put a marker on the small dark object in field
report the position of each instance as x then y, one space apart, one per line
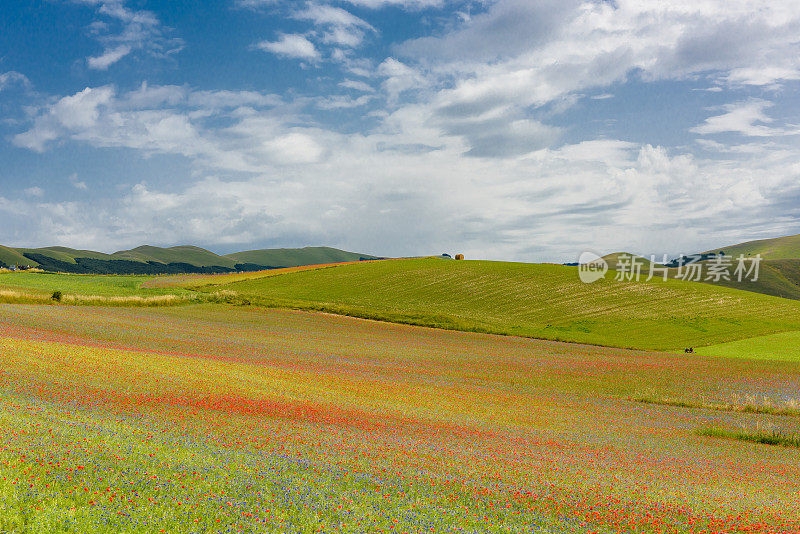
459 256
56 296
690 350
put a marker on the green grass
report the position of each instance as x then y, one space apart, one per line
180 254
788 409
779 248
69 254
779 278
106 286
192 255
534 300
784 346
291 257
779 271
10 257
615 258
770 437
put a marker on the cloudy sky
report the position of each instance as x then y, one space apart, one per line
505 129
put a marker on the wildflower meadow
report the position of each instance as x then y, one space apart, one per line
220 419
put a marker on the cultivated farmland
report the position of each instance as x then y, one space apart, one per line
536 300
218 419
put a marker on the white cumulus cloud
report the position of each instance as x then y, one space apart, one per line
746 118
291 45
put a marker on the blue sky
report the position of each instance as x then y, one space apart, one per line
504 129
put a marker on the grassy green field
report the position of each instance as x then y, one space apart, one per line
207 281
779 248
535 300
30 287
779 273
220 415
779 347
107 286
780 278
10 256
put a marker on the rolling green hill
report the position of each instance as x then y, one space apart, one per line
196 256
62 254
537 300
181 254
614 260
779 273
780 268
784 346
779 248
10 256
148 259
293 257
779 278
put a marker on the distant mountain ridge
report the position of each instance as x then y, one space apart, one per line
182 259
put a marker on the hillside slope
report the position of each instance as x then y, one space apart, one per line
776 277
780 267
779 278
10 256
623 260
293 257
779 248
199 257
183 259
535 300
